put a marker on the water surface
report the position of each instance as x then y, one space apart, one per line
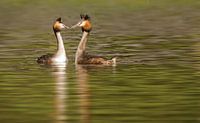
156 79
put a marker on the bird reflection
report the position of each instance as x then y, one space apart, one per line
59 73
84 93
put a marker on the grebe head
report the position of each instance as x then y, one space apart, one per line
58 25
85 16
86 24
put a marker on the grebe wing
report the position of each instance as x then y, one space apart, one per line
91 59
45 59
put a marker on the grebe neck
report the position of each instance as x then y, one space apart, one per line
81 47
60 54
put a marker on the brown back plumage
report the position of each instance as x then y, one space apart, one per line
45 59
97 60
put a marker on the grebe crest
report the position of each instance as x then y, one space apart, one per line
60 55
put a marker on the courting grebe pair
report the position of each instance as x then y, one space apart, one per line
81 56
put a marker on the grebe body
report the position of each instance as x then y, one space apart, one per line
97 60
60 55
81 56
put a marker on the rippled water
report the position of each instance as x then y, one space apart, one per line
156 79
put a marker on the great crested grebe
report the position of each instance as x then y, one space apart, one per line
60 55
81 56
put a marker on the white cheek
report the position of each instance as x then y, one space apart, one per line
62 26
83 24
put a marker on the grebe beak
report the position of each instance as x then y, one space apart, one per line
66 26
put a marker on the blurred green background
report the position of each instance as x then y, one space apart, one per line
156 79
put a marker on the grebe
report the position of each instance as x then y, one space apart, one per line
81 56
60 55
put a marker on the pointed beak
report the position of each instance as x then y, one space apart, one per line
66 26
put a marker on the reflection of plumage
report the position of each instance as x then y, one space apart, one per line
60 55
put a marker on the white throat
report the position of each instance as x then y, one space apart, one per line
81 47
60 55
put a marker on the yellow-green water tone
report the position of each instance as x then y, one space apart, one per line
156 80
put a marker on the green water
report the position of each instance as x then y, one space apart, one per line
156 80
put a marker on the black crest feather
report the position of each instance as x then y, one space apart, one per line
59 19
85 16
